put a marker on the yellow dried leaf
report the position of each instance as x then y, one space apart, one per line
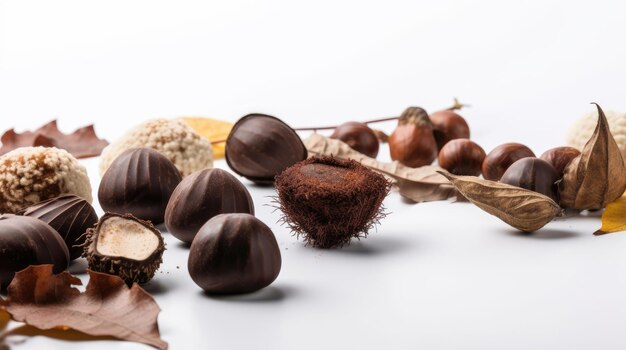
212 129
614 217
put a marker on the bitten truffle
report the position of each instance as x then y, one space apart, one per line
176 140
29 175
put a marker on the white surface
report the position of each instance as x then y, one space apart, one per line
434 276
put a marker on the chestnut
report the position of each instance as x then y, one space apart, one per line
533 174
412 142
448 125
462 157
560 157
260 146
501 158
358 136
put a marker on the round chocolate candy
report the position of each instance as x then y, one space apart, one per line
201 196
26 241
234 253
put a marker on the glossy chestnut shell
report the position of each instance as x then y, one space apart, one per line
412 142
462 157
448 125
560 157
260 146
501 158
359 137
533 174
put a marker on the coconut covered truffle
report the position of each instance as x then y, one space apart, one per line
188 150
29 175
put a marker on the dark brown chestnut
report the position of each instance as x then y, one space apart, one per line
201 196
70 216
462 157
412 142
260 146
28 241
234 253
359 137
448 125
533 174
140 182
560 157
501 158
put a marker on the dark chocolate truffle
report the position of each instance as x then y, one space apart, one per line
28 241
234 253
201 196
140 182
329 201
260 146
125 246
70 216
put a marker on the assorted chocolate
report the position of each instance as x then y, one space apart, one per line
139 182
234 253
70 216
329 201
28 241
125 246
201 196
260 146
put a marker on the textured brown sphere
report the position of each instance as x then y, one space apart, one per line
234 253
448 125
462 157
501 158
201 196
533 174
560 157
359 137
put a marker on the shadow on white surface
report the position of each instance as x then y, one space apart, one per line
266 295
78 267
544 233
158 286
374 245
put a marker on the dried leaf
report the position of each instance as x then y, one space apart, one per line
212 129
421 184
82 143
614 217
107 307
596 177
523 209
4 317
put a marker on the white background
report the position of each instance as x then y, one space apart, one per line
434 276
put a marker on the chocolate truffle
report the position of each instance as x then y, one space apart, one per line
27 241
29 175
70 216
329 201
177 141
201 196
260 146
125 246
140 182
234 253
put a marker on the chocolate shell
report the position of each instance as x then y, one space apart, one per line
28 241
140 182
70 216
260 146
201 196
234 253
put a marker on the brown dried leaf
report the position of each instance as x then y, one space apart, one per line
214 130
525 210
598 176
421 184
82 143
106 308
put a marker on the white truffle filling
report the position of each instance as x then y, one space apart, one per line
119 237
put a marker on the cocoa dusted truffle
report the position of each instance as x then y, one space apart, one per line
27 241
234 253
140 182
69 215
201 196
125 246
29 175
329 201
